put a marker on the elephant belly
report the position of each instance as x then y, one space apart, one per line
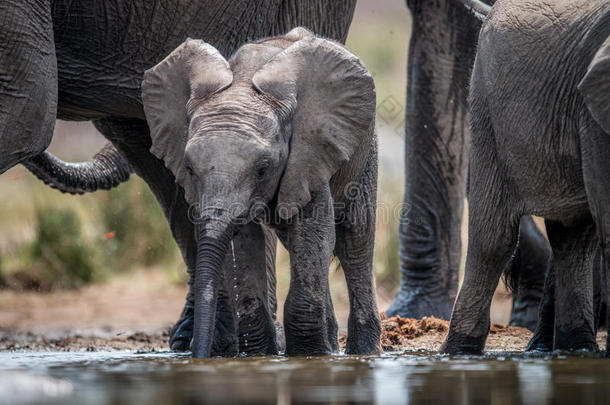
547 175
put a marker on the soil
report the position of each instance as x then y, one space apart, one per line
136 311
428 334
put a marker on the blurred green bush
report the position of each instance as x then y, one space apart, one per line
137 231
90 239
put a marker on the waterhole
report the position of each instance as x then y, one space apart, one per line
394 378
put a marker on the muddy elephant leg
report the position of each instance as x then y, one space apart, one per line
542 339
493 230
573 252
531 263
247 282
28 80
309 237
441 53
354 248
490 249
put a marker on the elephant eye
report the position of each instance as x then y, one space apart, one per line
261 170
189 169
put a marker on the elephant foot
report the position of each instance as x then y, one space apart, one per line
364 339
540 343
525 314
418 304
543 337
181 334
459 343
301 342
575 340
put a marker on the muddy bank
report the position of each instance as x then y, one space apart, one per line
398 334
137 341
135 311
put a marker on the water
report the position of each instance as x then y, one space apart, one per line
166 378
242 338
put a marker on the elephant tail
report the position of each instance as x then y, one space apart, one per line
479 8
107 169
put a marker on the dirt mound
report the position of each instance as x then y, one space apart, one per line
427 335
397 331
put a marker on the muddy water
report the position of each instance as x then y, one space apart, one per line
165 378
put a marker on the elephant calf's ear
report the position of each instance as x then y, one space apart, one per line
595 86
193 70
331 97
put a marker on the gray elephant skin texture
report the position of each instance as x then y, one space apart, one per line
266 137
540 118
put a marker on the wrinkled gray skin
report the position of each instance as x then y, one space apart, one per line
268 138
540 100
441 55
85 61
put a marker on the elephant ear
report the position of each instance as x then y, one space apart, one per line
595 86
331 98
194 70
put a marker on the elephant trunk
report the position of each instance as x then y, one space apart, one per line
106 170
212 245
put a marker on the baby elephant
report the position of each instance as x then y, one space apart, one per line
540 103
283 134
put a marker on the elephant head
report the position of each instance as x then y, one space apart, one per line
269 126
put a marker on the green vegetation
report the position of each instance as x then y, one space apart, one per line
138 231
58 256
89 238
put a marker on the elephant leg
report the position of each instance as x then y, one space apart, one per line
331 322
599 291
247 281
573 252
527 273
436 157
542 339
595 149
226 340
309 238
28 80
493 231
490 250
354 248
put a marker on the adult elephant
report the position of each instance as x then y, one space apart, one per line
84 60
441 55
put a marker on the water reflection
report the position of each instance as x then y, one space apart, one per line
165 378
